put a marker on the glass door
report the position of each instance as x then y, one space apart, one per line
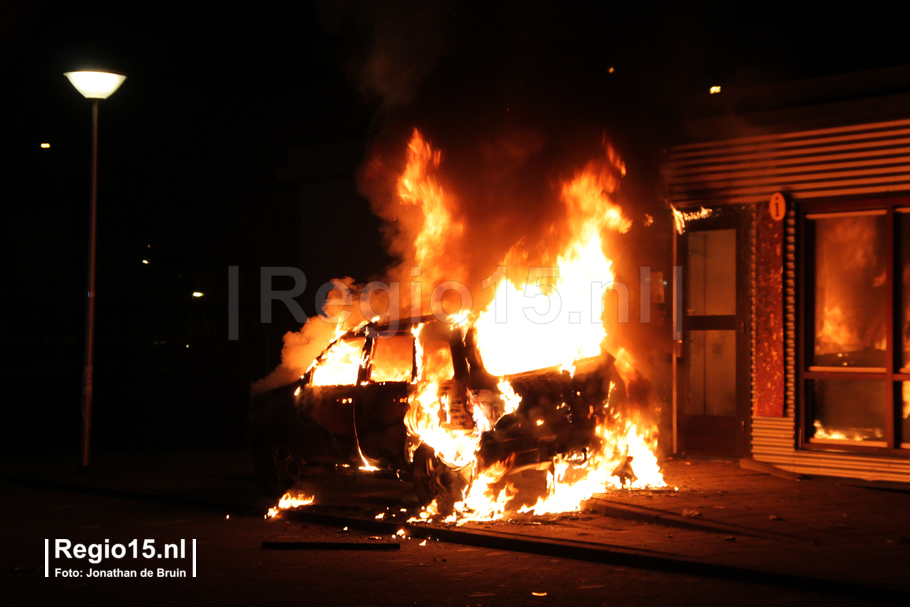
712 392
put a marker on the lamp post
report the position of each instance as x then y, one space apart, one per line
93 85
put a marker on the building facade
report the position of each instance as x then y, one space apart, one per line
792 309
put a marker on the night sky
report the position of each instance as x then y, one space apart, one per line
191 145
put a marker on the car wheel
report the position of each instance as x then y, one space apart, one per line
426 474
434 480
278 467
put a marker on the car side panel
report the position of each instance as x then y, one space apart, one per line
379 412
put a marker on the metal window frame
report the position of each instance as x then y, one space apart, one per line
892 373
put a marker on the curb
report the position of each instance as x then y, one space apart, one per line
669 519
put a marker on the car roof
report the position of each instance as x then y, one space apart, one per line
402 325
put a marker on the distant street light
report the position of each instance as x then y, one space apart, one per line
93 85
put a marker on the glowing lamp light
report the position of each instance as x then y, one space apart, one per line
95 85
145 262
197 294
714 90
45 145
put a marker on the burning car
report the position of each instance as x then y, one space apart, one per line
415 400
458 405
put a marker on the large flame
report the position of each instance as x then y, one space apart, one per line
418 188
563 325
552 317
341 364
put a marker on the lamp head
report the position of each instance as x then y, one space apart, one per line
96 85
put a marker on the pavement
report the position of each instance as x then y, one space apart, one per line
722 519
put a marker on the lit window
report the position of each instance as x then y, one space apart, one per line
856 376
340 366
393 359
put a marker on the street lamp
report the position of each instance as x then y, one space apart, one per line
93 85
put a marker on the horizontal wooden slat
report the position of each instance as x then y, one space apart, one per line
834 131
804 148
717 198
748 187
797 174
889 156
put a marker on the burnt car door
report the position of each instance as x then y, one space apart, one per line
443 363
441 402
333 393
382 403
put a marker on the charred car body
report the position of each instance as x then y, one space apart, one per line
350 411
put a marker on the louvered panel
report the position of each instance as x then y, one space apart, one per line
730 196
864 159
724 164
772 438
776 437
756 155
772 442
800 174
771 448
761 191
869 469
898 127
771 424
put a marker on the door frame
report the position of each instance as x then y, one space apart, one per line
735 431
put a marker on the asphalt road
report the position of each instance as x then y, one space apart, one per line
232 568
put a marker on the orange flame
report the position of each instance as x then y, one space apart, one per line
512 340
554 318
566 323
418 187
681 217
290 501
341 364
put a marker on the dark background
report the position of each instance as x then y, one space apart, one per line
194 145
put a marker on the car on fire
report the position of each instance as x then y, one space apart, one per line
355 408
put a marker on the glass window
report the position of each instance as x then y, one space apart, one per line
857 348
903 225
340 366
711 373
905 414
850 410
393 358
712 273
436 364
850 291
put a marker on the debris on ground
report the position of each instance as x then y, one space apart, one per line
328 546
